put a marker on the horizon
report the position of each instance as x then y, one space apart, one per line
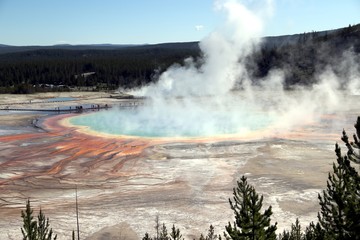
160 43
140 22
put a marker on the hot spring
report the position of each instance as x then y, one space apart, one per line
177 119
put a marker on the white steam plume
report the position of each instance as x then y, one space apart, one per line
206 88
222 50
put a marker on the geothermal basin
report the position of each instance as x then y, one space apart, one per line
125 179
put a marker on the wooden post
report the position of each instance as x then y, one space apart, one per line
77 215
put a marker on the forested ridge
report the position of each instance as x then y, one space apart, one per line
125 67
305 55
108 67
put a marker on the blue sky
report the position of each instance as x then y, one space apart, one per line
48 22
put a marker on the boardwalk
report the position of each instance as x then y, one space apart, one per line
63 109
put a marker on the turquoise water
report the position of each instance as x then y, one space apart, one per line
60 99
173 122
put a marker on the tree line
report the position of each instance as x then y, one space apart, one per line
307 54
63 70
48 69
338 218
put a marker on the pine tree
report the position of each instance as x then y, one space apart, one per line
35 230
43 231
352 197
163 234
285 235
340 202
249 223
294 234
29 228
353 146
146 237
314 232
211 234
175 233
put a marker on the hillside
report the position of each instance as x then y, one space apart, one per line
305 55
65 67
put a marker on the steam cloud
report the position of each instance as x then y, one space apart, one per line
223 53
198 97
